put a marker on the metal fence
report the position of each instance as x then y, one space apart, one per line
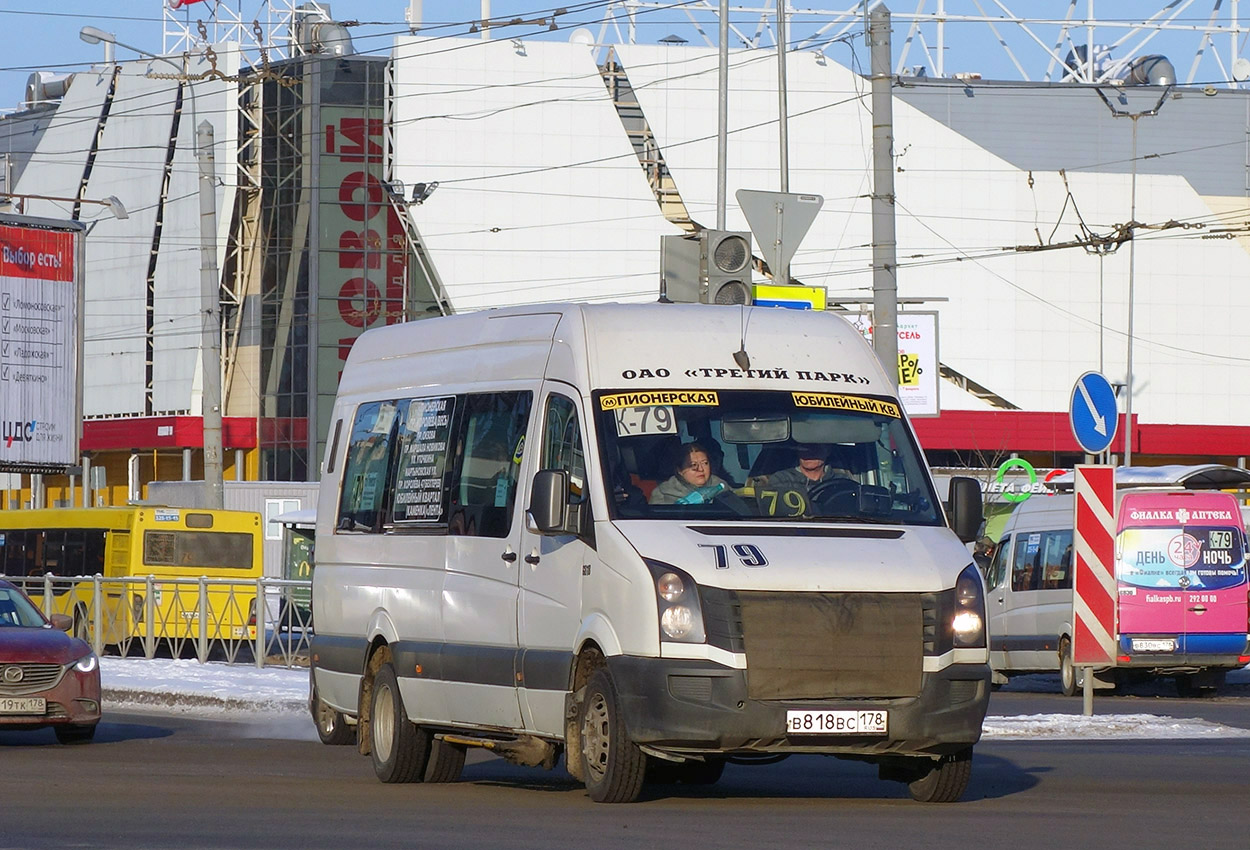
204 618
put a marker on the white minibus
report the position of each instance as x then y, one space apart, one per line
650 538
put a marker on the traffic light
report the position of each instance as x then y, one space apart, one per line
710 267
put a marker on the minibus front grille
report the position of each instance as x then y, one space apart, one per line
722 618
832 645
939 611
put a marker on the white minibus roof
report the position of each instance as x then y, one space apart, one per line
1207 476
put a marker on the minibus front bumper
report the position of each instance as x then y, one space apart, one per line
701 707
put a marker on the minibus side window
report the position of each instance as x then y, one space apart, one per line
998 566
490 443
365 472
1057 560
1026 565
562 445
423 446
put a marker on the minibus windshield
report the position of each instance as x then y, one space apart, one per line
778 455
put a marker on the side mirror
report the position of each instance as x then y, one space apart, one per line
549 501
965 508
64 622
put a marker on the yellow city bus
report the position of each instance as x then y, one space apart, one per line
158 568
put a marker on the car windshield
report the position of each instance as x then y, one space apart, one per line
17 610
795 456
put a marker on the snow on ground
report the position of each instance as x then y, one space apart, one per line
186 686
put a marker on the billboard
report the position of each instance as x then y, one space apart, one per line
363 252
40 336
918 368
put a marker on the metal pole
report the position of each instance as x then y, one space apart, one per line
722 117
1132 245
884 266
259 646
782 109
210 306
1087 692
97 615
202 612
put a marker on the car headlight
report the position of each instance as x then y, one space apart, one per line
87 663
677 598
968 620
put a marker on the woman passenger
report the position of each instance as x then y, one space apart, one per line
694 472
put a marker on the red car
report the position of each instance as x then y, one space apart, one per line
47 678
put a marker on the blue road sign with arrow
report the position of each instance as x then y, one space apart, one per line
1093 413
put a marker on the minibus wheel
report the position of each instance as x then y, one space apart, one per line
945 781
446 761
332 726
1067 670
1200 685
613 766
401 749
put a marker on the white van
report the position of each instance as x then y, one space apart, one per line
519 548
1181 606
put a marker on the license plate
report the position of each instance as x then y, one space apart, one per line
26 705
837 722
1153 645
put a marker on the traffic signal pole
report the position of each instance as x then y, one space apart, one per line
884 265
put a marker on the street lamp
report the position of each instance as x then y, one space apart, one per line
111 203
210 299
1132 250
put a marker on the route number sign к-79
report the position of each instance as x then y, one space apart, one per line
631 421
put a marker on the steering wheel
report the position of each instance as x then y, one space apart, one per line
836 495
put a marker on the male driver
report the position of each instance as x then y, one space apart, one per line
811 470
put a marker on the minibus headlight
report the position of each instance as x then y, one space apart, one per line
87 663
677 601
670 587
968 621
677 622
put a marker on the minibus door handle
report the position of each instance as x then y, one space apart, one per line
508 555
532 558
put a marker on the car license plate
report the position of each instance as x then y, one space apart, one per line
25 705
1154 645
837 722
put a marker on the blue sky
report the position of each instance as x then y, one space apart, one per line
43 35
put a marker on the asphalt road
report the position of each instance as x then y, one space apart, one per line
189 782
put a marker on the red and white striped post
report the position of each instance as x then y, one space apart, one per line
1094 587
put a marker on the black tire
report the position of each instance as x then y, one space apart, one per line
945 781
401 749
1200 686
446 762
75 734
613 766
1068 678
707 772
82 627
332 727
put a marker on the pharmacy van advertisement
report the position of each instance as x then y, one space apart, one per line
1181 573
